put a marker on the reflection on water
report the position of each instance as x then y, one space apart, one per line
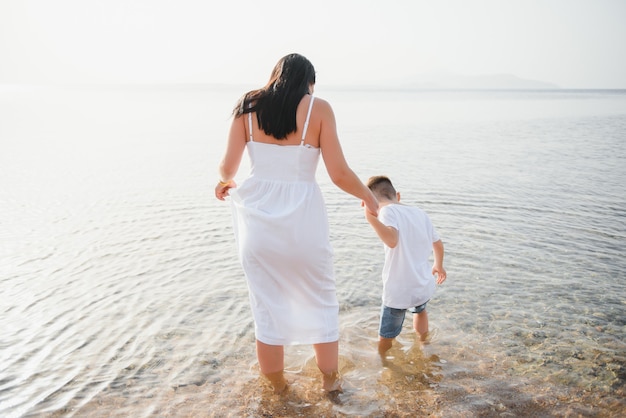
122 296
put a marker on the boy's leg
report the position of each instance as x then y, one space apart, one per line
420 321
391 321
327 358
384 344
272 362
420 324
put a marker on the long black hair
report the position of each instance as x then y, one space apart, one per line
276 103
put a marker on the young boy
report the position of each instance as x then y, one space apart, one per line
408 280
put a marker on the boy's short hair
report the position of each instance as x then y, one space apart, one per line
381 186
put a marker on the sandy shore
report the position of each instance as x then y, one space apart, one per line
412 382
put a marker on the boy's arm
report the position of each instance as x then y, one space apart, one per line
438 264
388 234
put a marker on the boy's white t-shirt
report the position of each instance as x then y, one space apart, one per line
407 274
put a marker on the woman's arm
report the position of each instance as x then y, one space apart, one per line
336 165
232 157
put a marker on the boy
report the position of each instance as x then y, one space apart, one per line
408 280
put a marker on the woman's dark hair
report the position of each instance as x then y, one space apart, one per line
276 103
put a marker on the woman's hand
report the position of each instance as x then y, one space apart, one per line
371 205
222 188
371 209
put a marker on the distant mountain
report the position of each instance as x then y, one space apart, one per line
493 81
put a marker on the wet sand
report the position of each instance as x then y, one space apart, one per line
436 379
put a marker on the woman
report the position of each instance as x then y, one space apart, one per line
280 220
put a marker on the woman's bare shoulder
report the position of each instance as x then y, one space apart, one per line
322 106
321 102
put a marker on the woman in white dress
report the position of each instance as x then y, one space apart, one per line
280 221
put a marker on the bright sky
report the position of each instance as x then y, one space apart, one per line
572 43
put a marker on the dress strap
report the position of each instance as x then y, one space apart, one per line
250 125
306 122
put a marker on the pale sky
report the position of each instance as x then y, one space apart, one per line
572 43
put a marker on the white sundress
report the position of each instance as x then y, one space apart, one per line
281 229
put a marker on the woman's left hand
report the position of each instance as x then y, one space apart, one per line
222 188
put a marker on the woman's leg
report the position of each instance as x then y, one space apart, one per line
327 357
272 362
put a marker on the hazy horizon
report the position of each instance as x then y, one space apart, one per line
573 44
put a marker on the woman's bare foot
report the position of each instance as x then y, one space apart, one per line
332 382
277 379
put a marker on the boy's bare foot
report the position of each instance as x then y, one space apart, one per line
384 361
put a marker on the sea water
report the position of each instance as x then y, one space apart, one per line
121 293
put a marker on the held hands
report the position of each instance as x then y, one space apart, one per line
440 272
371 210
221 190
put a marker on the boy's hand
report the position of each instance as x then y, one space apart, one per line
371 207
387 234
441 274
368 213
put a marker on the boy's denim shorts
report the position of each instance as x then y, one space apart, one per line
391 320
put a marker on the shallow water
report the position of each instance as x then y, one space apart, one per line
122 296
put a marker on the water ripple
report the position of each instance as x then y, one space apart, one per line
123 296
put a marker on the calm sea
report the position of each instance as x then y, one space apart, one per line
121 294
